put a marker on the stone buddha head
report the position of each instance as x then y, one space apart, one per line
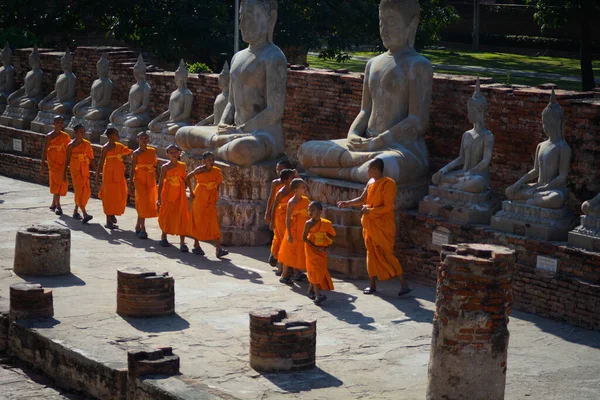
139 69
6 55
34 58
66 61
224 78
553 119
398 23
181 75
102 66
257 20
477 105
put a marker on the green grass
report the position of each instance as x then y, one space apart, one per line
553 65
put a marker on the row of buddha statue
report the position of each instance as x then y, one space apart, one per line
246 128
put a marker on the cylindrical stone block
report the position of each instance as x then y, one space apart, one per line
279 343
30 301
43 250
142 293
469 343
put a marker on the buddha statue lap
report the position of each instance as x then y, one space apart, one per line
460 190
394 113
7 76
250 129
163 128
133 117
94 111
22 105
538 209
60 101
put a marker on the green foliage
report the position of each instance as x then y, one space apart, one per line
198 68
435 14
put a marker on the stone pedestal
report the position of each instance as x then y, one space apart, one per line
242 201
160 141
43 122
540 223
469 344
93 129
458 206
30 301
43 250
586 235
18 117
279 343
128 135
152 361
143 294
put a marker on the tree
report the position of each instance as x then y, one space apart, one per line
554 13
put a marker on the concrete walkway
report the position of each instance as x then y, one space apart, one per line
368 347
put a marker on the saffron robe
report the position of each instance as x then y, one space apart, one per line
279 222
79 165
316 261
56 154
174 216
292 254
205 221
144 181
114 186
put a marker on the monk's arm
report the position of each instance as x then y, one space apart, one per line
307 227
67 161
274 206
101 162
359 201
268 210
163 172
44 155
389 197
133 163
487 156
288 220
359 126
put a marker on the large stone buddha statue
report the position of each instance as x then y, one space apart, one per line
250 129
61 100
22 105
7 76
222 99
394 112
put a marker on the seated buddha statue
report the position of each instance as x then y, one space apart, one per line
62 99
591 207
250 129
221 100
180 106
475 155
7 75
96 107
136 112
551 165
394 112
29 96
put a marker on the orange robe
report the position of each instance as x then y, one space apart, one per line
114 186
379 230
173 217
56 154
205 221
79 166
292 254
144 180
279 222
316 261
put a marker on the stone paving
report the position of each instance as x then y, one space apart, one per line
367 347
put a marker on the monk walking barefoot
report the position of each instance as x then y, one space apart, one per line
276 185
143 179
55 153
379 228
278 212
114 185
80 156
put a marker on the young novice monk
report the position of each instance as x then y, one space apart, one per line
278 212
143 179
114 185
276 185
80 156
205 222
291 254
173 214
55 152
318 233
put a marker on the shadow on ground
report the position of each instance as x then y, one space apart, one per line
171 323
296 382
55 281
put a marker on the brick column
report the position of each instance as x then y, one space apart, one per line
279 343
470 337
30 301
153 361
43 250
141 293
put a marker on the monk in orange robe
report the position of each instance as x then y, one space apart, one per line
173 213
143 180
379 228
114 185
278 212
291 253
205 221
318 233
276 185
80 156
55 153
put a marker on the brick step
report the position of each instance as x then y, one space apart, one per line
348 239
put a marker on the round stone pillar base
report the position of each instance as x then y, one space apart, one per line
43 250
30 301
142 293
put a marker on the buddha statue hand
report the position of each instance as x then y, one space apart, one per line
511 191
437 177
359 143
225 129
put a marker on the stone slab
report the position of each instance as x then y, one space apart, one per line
459 206
586 235
43 122
93 129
